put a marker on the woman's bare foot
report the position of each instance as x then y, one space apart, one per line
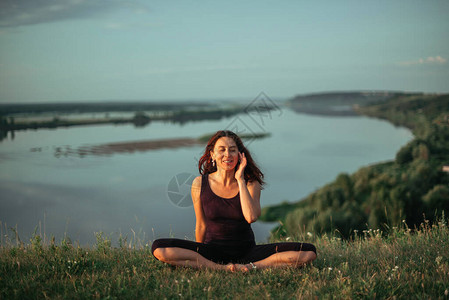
242 268
230 267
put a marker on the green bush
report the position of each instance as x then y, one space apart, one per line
437 199
382 195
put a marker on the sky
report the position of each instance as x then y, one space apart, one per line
98 50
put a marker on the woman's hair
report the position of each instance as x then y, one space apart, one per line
205 166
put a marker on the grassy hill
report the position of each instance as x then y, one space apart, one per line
401 264
382 195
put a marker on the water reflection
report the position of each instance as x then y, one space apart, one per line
124 147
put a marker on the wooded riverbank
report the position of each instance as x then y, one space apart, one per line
382 195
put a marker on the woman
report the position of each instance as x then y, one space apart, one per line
226 200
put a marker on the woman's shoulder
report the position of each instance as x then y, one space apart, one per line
197 181
196 186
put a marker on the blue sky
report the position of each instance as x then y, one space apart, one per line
94 50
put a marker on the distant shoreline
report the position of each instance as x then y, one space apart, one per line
340 103
11 109
10 123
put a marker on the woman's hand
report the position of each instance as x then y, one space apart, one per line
240 172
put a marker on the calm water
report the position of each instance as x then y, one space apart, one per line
122 193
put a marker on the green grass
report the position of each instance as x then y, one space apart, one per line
403 264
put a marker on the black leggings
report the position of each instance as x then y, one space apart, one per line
224 254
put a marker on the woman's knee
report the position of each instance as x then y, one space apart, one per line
161 254
158 253
310 256
159 249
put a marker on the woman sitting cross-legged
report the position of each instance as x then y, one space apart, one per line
226 199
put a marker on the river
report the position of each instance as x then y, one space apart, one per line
46 188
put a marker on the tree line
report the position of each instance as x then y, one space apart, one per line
382 196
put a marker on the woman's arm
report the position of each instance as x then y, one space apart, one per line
200 227
249 193
250 200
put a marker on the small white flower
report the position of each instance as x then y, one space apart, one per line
446 292
309 234
330 269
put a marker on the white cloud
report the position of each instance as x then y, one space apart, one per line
28 12
431 60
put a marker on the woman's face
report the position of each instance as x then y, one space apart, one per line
225 153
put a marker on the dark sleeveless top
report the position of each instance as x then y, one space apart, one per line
225 223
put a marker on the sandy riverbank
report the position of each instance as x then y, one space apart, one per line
127 147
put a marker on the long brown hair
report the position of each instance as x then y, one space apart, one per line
205 166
